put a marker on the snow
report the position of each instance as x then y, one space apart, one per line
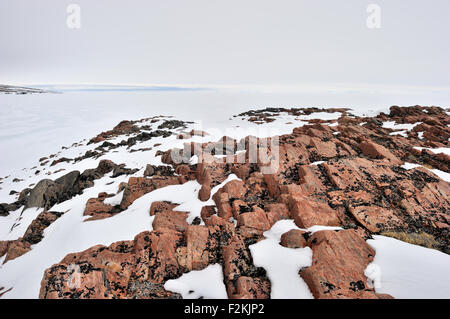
282 264
115 200
206 283
39 125
317 163
393 125
408 271
402 133
16 223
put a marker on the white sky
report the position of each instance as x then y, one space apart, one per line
227 42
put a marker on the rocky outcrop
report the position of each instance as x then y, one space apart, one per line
139 186
348 175
339 261
139 268
293 239
16 248
96 208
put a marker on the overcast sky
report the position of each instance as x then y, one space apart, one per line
229 42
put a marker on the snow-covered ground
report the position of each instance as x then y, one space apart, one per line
206 283
408 271
39 125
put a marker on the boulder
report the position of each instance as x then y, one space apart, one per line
339 261
158 207
293 239
308 212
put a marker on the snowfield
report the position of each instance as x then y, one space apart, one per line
409 271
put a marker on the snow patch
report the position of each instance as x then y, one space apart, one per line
206 283
408 271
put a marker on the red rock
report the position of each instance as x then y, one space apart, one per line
215 220
377 151
4 245
129 269
251 288
197 247
276 212
309 180
35 231
207 212
183 169
372 216
255 219
308 212
157 207
205 192
234 189
324 150
170 219
139 186
273 184
239 207
95 206
293 239
339 261
16 249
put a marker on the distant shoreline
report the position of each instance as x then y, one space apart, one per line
9 89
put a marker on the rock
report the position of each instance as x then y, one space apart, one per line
183 169
251 288
197 255
205 192
339 261
149 170
4 210
127 269
139 186
293 239
376 151
4 245
44 194
255 219
124 127
121 170
96 208
234 189
158 207
276 212
16 249
308 212
170 219
35 232
47 193
372 216
237 264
